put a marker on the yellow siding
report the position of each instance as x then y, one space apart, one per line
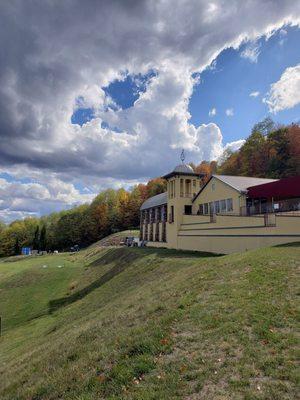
224 233
221 191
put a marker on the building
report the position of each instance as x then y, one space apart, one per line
226 214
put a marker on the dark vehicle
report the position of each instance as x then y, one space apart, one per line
75 248
129 241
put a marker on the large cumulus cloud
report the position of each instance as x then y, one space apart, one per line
53 53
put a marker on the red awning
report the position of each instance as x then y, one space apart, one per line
282 189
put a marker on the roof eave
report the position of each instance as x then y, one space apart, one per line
171 174
216 177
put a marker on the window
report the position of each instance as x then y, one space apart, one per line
229 205
194 187
206 208
188 188
217 206
171 215
211 207
181 187
223 205
201 209
188 210
213 187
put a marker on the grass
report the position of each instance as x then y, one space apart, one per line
129 323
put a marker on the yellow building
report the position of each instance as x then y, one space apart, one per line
220 216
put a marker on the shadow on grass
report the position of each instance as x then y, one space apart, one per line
163 252
122 260
291 244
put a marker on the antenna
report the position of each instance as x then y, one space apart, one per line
182 156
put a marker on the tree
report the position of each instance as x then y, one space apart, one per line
36 240
293 139
42 239
156 186
17 249
264 127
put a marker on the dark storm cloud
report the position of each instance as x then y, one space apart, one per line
53 52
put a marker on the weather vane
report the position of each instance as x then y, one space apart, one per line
182 156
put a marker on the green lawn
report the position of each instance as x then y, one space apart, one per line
129 323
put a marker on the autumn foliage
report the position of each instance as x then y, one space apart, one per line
270 151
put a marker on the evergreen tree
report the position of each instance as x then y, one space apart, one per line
17 248
42 241
36 239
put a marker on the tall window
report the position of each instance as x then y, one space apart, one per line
223 205
229 205
171 215
217 206
201 210
181 187
187 188
205 208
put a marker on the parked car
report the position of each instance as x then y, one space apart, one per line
131 241
74 248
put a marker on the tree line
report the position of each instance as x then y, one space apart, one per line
110 211
270 151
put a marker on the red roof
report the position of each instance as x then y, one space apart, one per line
282 189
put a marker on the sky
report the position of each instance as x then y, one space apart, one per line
106 94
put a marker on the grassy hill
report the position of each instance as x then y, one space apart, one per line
130 323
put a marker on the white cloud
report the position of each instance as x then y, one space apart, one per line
20 200
212 112
229 112
234 146
282 36
254 94
209 141
251 52
284 93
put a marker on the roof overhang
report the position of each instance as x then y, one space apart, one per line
174 173
204 186
281 189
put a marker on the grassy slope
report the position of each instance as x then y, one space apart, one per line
115 238
127 323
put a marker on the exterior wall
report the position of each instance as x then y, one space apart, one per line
179 199
230 234
221 191
222 233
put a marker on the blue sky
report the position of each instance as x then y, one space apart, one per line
229 84
226 85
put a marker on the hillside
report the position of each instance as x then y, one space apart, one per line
130 323
115 238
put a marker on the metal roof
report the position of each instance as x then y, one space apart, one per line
239 183
155 201
181 169
282 189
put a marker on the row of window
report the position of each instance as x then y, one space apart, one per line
216 207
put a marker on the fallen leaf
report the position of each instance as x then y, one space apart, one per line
164 341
